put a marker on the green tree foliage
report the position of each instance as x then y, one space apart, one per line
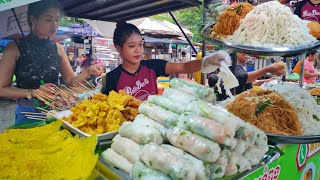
69 21
191 18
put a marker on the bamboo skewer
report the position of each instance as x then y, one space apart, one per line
36 119
50 90
42 109
36 116
90 84
32 113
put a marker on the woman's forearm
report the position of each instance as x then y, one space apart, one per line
256 74
193 66
310 75
79 78
13 92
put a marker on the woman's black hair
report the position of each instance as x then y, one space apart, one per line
312 52
123 32
38 8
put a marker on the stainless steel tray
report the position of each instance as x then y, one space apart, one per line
282 139
284 52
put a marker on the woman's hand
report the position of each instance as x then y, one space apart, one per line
94 70
47 88
276 70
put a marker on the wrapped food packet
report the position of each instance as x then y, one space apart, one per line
195 89
202 148
162 159
142 134
141 172
127 148
208 128
116 160
157 113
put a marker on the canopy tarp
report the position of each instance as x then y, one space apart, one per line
122 10
9 4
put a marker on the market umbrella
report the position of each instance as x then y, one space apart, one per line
5 7
9 25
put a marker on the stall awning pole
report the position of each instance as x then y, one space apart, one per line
185 35
15 16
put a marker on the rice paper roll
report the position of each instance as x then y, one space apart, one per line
127 148
202 148
237 164
141 134
208 128
213 112
167 103
141 172
157 113
218 168
241 147
179 96
116 160
243 164
254 155
145 120
195 89
202 168
161 159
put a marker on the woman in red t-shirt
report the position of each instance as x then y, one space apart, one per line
308 10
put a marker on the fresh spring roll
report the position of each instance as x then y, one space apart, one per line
242 129
243 164
201 168
142 134
195 89
161 159
202 148
167 103
237 164
213 112
218 168
126 148
179 96
141 172
145 120
254 154
208 128
241 147
116 160
157 113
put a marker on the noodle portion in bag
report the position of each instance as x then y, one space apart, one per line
267 110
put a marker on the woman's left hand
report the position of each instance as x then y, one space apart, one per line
94 70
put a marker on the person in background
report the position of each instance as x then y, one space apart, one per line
246 79
308 10
135 76
35 59
297 67
183 60
310 74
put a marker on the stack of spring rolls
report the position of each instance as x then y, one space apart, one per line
183 135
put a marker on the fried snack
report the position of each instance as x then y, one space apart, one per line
314 91
229 20
267 110
104 113
314 29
